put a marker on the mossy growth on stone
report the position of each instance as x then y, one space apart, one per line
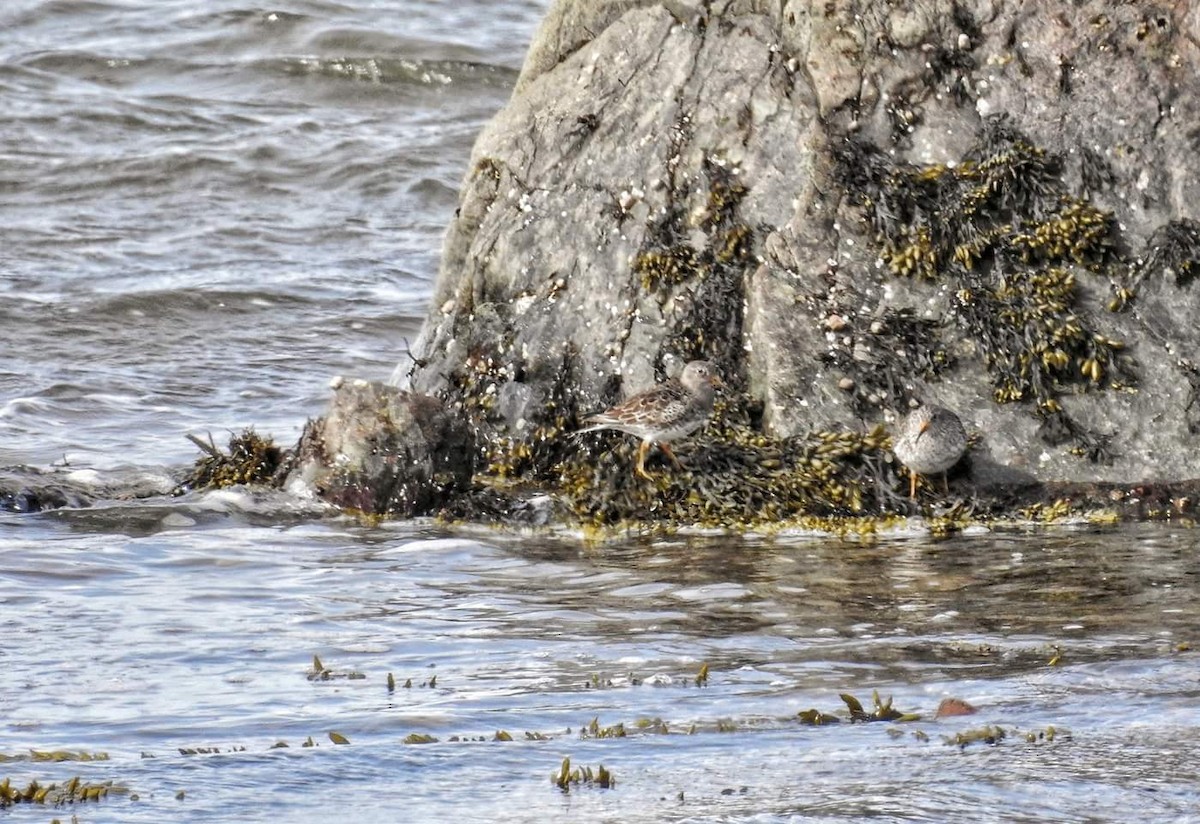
1003 228
251 459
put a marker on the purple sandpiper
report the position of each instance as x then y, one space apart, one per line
931 439
668 411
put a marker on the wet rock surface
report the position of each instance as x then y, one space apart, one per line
26 489
30 489
382 451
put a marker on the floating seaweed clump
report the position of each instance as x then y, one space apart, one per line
419 738
566 778
72 792
251 459
594 730
55 756
883 710
816 718
994 734
980 735
320 672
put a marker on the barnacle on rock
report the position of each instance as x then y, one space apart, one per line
885 354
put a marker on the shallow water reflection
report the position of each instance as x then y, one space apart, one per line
140 642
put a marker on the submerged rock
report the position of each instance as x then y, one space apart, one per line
26 489
382 451
29 489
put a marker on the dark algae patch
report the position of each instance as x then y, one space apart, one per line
1172 251
250 459
1003 228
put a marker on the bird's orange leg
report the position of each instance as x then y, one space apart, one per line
666 448
912 484
643 448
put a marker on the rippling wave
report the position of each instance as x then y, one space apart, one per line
209 210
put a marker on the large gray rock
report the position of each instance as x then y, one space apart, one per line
680 179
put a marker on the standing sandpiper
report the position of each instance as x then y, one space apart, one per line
668 411
931 440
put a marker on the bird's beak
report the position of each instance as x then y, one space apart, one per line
923 428
717 382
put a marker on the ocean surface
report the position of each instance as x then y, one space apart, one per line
209 210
